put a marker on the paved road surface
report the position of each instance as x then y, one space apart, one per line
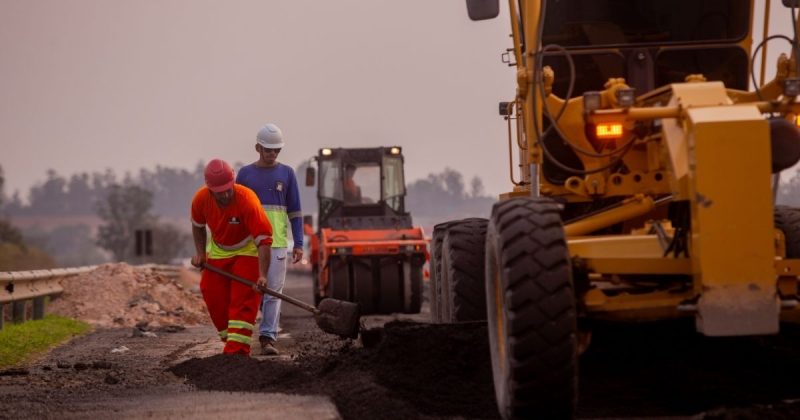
418 371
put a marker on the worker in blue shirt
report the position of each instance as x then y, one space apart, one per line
276 187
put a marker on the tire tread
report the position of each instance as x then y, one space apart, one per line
540 305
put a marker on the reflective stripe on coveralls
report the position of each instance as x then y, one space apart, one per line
235 324
246 247
233 335
279 220
242 325
239 338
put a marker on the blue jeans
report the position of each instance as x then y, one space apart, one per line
271 306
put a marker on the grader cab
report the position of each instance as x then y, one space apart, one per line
645 189
365 249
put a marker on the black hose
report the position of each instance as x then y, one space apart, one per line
753 60
539 81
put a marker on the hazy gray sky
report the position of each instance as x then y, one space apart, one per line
93 84
90 84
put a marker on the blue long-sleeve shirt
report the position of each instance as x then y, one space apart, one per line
277 189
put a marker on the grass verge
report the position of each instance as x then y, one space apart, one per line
20 342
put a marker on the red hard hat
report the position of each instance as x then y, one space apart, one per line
219 175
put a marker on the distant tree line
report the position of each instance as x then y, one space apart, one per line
15 253
171 190
79 194
132 203
129 203
123 206
8 233
444 196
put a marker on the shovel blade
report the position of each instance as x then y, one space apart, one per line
338 317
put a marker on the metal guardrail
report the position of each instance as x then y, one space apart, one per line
18 287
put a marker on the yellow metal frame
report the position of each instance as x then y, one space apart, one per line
713 152
642 255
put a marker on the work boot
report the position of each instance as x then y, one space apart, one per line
267 346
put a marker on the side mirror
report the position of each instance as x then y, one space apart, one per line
311 176
504 109
483 9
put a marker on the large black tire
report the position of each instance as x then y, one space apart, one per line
416 275
377 283
462 270
531 309
366 291
787 219
436 293
339 280
391 285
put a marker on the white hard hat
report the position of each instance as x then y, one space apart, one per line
270 136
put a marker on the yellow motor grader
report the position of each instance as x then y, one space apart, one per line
645 187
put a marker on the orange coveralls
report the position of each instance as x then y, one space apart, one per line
236 232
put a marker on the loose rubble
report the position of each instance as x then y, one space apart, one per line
120 295
435 370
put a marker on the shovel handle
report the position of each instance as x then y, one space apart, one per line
268 291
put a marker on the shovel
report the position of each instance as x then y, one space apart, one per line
333 316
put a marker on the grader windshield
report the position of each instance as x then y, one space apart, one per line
650 43
640 22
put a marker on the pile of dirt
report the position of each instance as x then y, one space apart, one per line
443 371
120 295
433 370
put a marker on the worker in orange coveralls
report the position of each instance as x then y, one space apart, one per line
241 239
